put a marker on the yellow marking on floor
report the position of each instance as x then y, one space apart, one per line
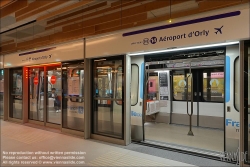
122 159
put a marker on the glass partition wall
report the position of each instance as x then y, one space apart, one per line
45 93
1 91
36 93
54 94
108 102
16 94
73 95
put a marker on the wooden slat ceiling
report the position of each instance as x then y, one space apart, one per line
5 2
64 20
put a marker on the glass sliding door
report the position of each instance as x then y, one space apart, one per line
16 94
73 95
108 102
54 93
1 92
45 93
36 92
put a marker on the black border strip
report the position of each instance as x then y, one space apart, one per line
182 151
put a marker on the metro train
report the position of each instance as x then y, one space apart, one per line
183 93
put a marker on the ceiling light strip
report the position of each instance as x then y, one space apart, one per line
186 48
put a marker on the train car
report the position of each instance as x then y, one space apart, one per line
183 78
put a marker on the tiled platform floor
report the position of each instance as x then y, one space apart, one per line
16 138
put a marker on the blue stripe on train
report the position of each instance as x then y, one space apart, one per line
141 81
227 79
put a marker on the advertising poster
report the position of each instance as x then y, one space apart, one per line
163 90
74 86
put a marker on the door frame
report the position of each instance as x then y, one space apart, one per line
197 74
95 134
45 122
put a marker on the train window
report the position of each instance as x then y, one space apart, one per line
180 85
153 86
213 86
134 84
237 84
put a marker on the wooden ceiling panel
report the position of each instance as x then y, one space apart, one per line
117 15
59 37
7 42
117 23
128 18
120 2
99 5
149 7
98 20
212 5
93 14
33 6
44 8
65 9
9 47
3 3
199 1
13 7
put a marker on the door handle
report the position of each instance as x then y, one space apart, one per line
195 94
199 93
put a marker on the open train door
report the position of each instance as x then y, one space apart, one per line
137 84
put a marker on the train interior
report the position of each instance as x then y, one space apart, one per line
184 106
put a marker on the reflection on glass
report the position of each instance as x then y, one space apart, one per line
73 96
54 93
16 94
1 92
108 91
118 90
237 84
36 92
213 86
153 86
180 86
134 84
